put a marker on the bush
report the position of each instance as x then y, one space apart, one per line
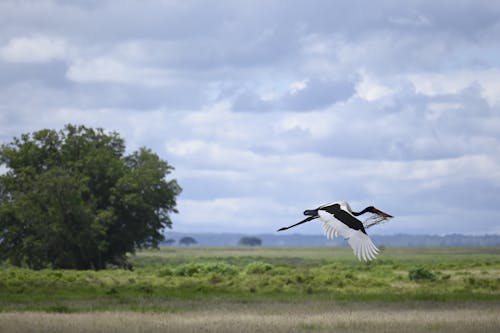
189 269
221 268
192 269
421 274
258 267
167 271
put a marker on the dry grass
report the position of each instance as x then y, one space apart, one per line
206 316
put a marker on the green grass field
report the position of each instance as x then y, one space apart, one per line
263 289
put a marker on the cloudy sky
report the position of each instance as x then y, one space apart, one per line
267 108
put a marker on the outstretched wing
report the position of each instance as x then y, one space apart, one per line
359 241
362 246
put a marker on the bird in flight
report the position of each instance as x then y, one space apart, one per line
339 220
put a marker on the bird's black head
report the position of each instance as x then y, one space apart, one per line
380 213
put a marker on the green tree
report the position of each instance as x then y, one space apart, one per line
73 199
250 241
187 241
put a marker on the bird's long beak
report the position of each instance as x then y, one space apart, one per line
313 214
381 213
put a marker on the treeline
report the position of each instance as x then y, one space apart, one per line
403 240
436 240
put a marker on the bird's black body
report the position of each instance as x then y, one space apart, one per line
345 217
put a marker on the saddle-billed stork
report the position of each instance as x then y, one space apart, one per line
339 219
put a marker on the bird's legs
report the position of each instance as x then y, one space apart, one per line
307 219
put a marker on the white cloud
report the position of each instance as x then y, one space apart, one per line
297 86
316 168
104 69
371 90
453 82
243 212
218 122
318 124
36 49
184 148
417 20
313 179
215 155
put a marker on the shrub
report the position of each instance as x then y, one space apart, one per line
167 271
189 269
421 274
221 268
258 267
192 269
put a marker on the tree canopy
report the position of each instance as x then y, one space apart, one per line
187 241
250 241
73 199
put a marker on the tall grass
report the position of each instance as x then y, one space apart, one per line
282 274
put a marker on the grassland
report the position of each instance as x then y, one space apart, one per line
262 289
309 316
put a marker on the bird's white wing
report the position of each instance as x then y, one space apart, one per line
360 242
362 246
329 230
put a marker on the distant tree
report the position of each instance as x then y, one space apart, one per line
169 241
250 241
73 199
187 241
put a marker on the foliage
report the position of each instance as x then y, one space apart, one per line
250 241
421 274
236 274
197 269
258 267
73 199
187 241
